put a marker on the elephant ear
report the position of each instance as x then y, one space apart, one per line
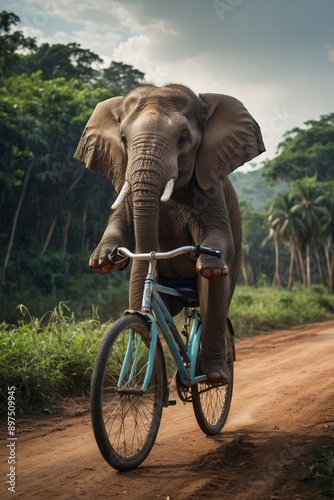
100 146
231 138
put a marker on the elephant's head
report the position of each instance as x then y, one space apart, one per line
152 141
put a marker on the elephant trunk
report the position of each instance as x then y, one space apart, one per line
146 190
146 222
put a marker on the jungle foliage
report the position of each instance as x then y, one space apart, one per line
297 221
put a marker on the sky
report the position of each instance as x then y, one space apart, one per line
276 56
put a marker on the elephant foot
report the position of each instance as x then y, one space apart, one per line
216 373
107 261
211 272
211 267
216 271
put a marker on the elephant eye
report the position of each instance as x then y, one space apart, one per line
123 139
184 138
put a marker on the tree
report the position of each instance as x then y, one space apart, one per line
253 231
325 242
305 152
291 230
276 218
58 60
123 76
309 205
328 231
11 43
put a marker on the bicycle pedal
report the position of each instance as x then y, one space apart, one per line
171 402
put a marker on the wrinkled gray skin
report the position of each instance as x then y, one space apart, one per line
157 134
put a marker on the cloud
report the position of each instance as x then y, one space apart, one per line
94 41
276 38
134 52
254 41
74 11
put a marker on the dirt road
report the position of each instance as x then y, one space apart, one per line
283 405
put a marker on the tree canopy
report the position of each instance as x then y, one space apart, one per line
125 76
11 42
58 60
305 152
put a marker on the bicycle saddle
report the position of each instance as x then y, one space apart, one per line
188 293
187 287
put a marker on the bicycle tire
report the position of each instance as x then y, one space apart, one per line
211 402
126 421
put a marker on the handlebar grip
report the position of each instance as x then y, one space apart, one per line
116 256
209 251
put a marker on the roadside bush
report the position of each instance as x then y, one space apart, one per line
47 359
262 309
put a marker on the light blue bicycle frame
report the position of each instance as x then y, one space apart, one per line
182 354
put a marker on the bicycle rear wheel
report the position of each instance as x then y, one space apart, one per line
126 420
211 402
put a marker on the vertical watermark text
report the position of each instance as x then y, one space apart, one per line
11 439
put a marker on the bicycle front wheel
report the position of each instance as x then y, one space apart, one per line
125 419
211 402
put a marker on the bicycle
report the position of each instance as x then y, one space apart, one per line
129 385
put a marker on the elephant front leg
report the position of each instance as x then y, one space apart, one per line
214 302
118 233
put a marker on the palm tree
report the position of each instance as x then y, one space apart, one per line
310 206
275 220
253 231
287 226
328 231
293 231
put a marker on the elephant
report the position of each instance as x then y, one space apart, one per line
168 153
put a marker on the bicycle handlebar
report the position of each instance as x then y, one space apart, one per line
196 249
208 251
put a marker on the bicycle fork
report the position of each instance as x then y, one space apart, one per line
132 356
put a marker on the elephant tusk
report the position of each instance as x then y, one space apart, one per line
167 191
122 195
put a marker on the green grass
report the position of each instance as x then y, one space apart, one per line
320 471
255 310
46 359
51 358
